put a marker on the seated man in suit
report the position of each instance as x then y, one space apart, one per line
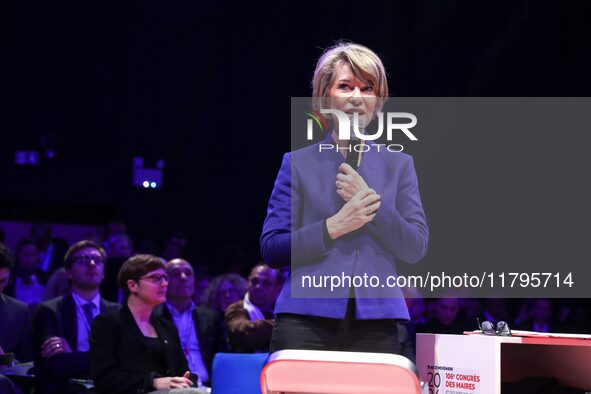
62 325
250 321
15 331
200 329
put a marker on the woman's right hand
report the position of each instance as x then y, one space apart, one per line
358 211
176 382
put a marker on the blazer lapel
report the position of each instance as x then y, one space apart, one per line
107 306
165 312
326 171
131 326
367 169
201 330
70 321
166 342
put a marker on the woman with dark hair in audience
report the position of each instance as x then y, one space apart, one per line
28 281
224 290
132 351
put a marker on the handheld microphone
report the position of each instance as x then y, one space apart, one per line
354 153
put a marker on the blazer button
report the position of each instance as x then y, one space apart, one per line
356 252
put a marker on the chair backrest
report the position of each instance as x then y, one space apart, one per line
237 373
327 372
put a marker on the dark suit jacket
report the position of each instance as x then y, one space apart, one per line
210 330
16 333
57 317
119 357
109 287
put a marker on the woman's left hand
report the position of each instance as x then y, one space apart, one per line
349 182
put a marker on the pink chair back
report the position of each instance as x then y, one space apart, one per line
327 372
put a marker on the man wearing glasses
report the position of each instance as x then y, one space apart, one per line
62 325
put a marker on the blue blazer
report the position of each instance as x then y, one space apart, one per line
305 195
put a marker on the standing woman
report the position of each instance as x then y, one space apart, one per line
132 351
327 218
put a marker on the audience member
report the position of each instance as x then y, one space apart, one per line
495 310
16 335
224 290
28 281
539 316
174 246
471 311
114 227
51 250
119 249
250 321
200 329
146 246
417 309
57 285
62 325
133 350
119 245
446 318
201 285
579 320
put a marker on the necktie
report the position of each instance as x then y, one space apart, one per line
88 312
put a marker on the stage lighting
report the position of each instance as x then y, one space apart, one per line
26 158
147 177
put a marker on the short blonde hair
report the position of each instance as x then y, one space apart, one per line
364 63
